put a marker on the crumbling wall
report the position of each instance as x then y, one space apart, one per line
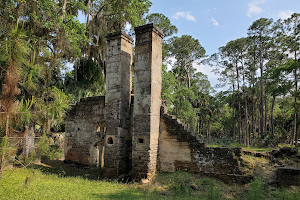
286 176
142 136
171 150
180 150
82 136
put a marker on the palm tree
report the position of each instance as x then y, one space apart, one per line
14 53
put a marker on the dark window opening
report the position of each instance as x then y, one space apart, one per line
141 140
110 140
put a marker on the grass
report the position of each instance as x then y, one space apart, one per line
37 184
50 186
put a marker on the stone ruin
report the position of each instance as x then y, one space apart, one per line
131 135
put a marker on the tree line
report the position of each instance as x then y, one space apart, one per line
261 103
262 70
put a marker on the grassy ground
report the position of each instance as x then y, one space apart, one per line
52 182
257 149
41 186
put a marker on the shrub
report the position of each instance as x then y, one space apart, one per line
43 147
256 190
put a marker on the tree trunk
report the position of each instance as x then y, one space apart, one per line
64 7
200 126
247 137
296 120
262 124
208 130
233 114
239 103
189 79
252 125
7 124
266 113
272 117
88 5
255 128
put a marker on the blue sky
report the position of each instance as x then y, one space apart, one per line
216 22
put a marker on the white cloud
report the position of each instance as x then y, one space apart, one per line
184 15
284 14
127 26
214 22
211 76
253 10
254 7
204 68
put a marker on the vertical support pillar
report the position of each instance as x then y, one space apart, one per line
147 100
117 104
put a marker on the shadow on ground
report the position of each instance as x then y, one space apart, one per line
63 169
125 194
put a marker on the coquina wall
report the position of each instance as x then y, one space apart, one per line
84 125
180 150
122 135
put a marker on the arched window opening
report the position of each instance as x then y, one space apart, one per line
110 140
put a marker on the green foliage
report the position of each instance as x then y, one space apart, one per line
182 87
63 32
47 151
183 108
75 33
260 27
186 47
53 108
285 194
58 104
3 146
25 110
256 191
43 147
163 23
14 48
32 77
127 10
186 50
213 193
87 79
169 84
